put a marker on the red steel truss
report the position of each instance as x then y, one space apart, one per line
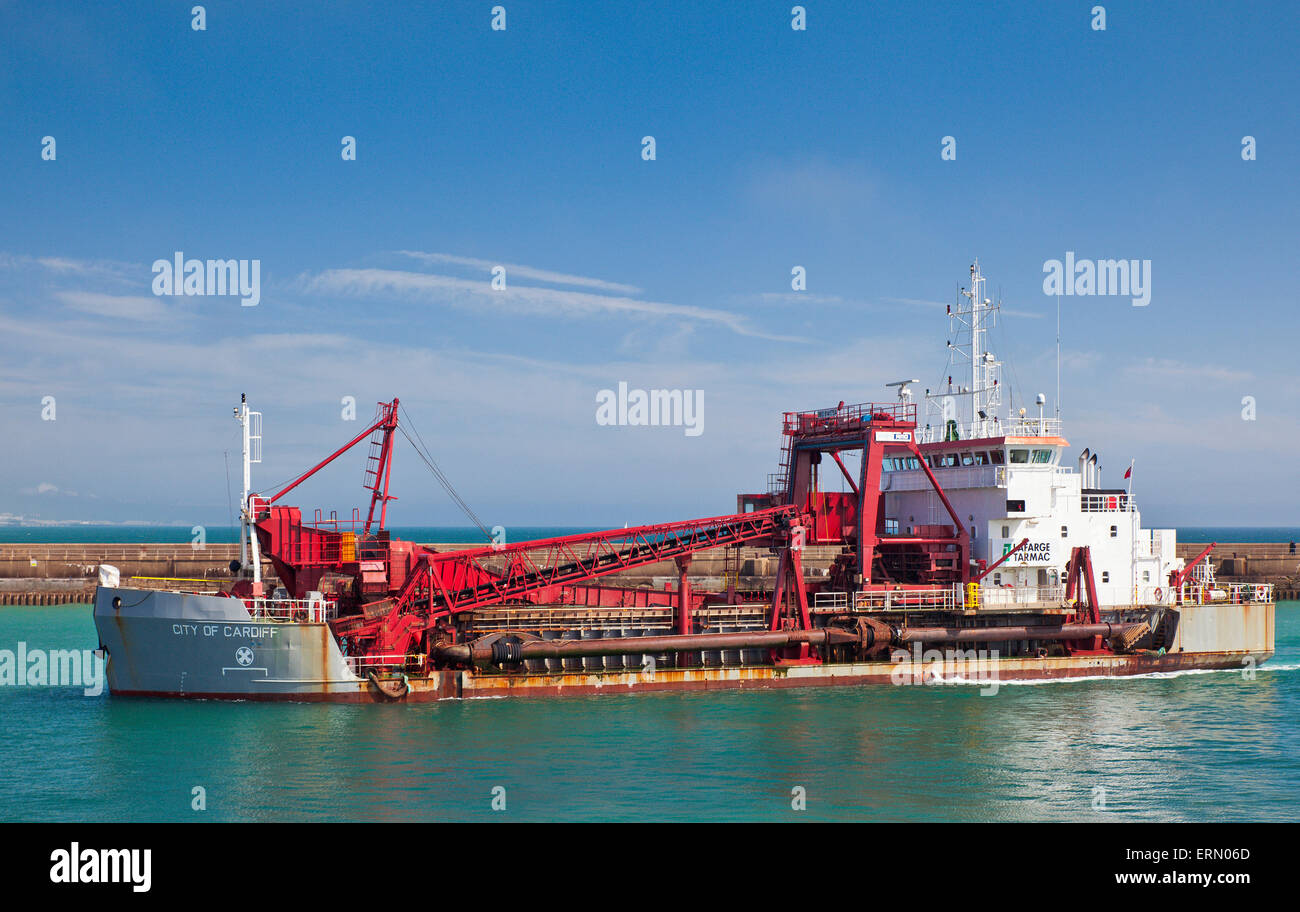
401 590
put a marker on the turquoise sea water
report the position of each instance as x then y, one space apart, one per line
1189 747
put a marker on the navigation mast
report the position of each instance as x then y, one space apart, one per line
251 427
970 410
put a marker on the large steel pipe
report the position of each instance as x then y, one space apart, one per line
508 649
998 634
499 649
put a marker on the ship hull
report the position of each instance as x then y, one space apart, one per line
165 644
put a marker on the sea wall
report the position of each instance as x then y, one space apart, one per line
38 573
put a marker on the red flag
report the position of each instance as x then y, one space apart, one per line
1128 472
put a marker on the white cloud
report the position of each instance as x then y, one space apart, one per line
123 307
479 295
1181 371
514 270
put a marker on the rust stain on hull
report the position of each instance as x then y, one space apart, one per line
451 685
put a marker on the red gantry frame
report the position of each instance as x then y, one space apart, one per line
394 594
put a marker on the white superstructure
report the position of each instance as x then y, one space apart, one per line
1009 477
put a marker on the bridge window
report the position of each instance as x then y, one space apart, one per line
1019 457
997 457
967 459
1042 456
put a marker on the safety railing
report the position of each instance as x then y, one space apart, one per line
361 665
173 584
1194 593
947 599
982 428
846 417
1106 503
1021 596
301 611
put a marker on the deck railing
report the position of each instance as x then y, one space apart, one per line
1106 503
302 611
361 665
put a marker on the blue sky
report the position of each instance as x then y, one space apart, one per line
522 147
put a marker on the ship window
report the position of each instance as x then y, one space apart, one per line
967 459
1105 576
891 527
1006 531
1114 531
997 579
997 457
1146 576
912 462
1042 456
1065 531
1019 457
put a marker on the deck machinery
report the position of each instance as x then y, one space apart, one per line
399 609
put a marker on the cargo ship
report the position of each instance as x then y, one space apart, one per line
966 547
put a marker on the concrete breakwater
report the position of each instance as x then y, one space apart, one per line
41 574
51 574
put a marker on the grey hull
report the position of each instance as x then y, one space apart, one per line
208 647
178 644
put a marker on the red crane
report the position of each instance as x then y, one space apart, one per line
402 592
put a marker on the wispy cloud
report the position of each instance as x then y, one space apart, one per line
478 294
813 186
514 270
69 266
123 307
1167 368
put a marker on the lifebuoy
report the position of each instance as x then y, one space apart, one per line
1159 594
